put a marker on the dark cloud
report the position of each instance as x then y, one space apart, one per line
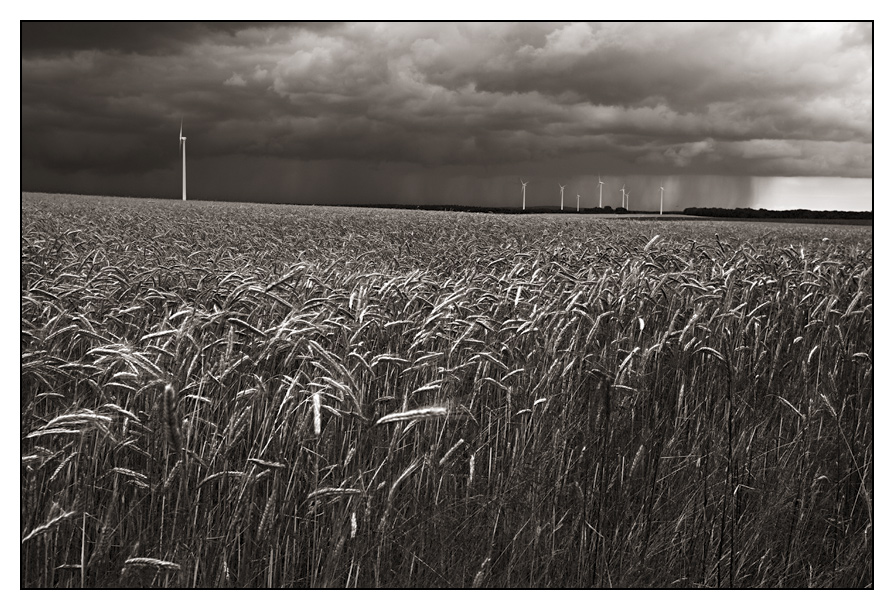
44 38
439 102
47 38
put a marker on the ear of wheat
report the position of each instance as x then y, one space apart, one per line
172 424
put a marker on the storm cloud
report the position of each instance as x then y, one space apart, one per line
359 112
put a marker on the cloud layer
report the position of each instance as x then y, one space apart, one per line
769 99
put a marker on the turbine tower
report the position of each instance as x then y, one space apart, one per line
578 202
600 190
524 184
183 148
623 197
562 189
661 208
627 198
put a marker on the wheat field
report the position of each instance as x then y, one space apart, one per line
242 395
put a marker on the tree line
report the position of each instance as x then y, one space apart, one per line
782 214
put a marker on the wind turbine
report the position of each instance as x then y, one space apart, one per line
623 197
661 209
524 184
578 202
562 188
600 190
183 147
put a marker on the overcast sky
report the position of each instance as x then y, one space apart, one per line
768 114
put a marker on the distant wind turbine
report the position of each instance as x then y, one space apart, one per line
562 188
578 202
524 184
623 197
183 148
661 209
600 190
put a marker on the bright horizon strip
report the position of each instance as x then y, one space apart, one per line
816 193
813 193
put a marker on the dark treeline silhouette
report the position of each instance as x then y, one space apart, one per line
494 210
692 211
781 214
